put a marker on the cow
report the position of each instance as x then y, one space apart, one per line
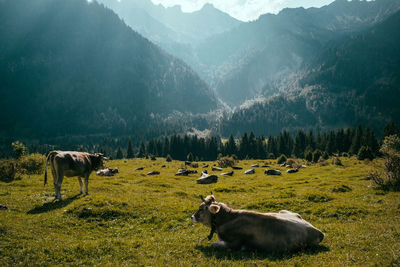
241 229
206 178
72 163
251 171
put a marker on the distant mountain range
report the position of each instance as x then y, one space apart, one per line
73 67
352 80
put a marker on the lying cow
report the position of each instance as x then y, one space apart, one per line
107 172
251 171
272 172
185 172
270 232
72 163
207 178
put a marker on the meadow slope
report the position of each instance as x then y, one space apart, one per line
135 219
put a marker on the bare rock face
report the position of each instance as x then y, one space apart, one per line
255 165
153 173
251 171
272 172
216 168
292 170
227 173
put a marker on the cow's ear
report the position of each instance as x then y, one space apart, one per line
214 209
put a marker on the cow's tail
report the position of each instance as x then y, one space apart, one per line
49 157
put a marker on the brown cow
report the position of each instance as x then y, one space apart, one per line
270 232
72 163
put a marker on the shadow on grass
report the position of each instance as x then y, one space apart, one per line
226 254
55 204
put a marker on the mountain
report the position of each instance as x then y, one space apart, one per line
73 67
187 27
353 80
240 63
175 31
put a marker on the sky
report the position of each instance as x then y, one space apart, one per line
244 10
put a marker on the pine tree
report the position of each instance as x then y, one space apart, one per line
130 154
119 155
356 142
390 129
231 148
142 150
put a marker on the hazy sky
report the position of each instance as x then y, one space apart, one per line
244 9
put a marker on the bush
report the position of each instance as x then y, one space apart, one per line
152 157
224 162
308 155
390 179
7 170
292 163
365 153
271 156
31 164
194 165
325 155
169 159
337 161
282 159
347 155
316 156
19 149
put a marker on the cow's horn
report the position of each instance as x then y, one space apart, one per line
212 193
202 198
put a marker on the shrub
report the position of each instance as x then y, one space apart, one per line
337 161
282 159
152 157
390 179
7 170
347 155
32 164
271 156
292 163
325 155
365 153
316 156
308 155
224 162
169 158
19 149
194 165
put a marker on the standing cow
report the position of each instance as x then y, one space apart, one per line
72 163
270 232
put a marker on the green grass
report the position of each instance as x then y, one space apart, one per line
135 219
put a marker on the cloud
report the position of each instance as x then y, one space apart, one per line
243 9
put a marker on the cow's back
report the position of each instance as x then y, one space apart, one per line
272 231
72 163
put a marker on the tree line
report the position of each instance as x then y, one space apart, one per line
303 144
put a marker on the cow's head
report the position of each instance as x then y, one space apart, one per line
206 209
97 160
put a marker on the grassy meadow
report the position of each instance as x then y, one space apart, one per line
135 219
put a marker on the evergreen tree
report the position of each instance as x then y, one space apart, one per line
356 142
142 150
119 155
231 148
390 129
130 154
331 143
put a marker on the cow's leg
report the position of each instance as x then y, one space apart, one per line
80 184
59 182
86 184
